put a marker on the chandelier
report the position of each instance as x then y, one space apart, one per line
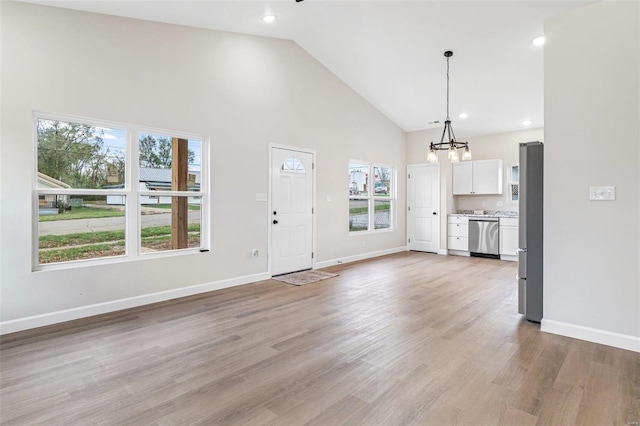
451 144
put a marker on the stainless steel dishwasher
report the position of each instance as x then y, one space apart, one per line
484 237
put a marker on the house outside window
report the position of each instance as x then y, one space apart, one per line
93 202
371 196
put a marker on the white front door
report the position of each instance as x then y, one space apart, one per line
291 219
423 207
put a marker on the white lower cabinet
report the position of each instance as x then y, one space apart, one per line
458 233
508 237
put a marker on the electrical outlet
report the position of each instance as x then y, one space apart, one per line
602 193
254 253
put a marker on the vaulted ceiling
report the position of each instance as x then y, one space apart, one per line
391 52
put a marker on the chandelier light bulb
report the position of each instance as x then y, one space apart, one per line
453 155
466 155
432 157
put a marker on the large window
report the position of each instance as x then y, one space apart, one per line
107 190
371 196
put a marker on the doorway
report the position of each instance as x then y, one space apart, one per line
423 207
291 212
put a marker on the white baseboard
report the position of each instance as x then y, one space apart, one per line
443 252
42 320
459 253
357 257
622 341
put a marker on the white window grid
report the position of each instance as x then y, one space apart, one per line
130 192
372 198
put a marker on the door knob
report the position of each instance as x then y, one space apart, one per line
275 222
275 212
434 213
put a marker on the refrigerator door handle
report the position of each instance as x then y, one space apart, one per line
522 263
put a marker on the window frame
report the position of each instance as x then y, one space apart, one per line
371 196
512 183
130 192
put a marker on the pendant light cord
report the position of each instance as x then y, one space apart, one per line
447 88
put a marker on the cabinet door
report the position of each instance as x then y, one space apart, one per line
462 178
487 177
508 240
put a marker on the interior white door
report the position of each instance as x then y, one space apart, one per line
423 207
291 210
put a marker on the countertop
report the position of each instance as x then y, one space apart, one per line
488 213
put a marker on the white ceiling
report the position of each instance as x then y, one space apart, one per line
391 52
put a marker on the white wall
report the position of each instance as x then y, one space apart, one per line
503 146
592 135
243 92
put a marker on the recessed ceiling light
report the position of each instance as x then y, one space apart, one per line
538 41
463 115
527 123
268 18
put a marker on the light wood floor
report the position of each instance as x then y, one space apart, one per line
412 338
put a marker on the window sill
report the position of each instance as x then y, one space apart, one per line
114 260
373 231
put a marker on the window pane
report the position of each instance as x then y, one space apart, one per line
292 165
382 214
79 227
382 178
515 174
157 168
72 155
169 223
358 215
358 179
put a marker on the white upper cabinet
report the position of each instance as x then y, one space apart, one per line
463 178
483 177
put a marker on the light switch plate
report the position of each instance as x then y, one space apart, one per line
261 196
602 193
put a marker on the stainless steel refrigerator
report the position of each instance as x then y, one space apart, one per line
530 201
